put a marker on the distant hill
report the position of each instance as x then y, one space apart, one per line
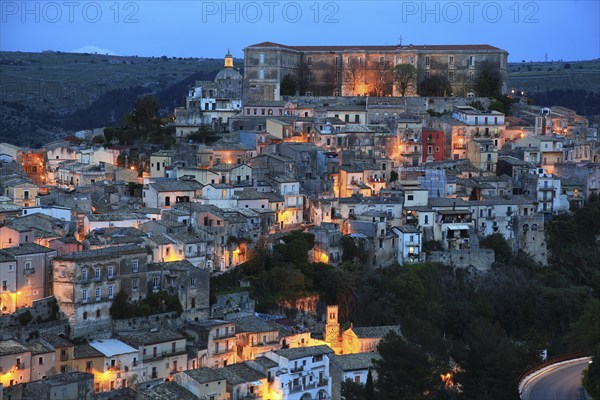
45 95
536 77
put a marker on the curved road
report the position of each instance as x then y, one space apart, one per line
559 383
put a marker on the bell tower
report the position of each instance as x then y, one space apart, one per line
228 60
332 327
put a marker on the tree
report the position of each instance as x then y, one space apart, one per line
404 77
120 308
404 370
500 246
488 82
351 390
370 387
354 76
491 362
205 135
591 376
393 176
585 333
145 112
330 81
435 85
380 79
288 86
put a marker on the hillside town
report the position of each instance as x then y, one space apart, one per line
109 248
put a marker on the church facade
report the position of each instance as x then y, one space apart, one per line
365 70
211 103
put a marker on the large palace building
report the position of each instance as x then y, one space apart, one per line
365 70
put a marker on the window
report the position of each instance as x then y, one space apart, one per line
470 76
193 282
451 76
451 60
135 265
85 315
41 361
84 295
111 291
410 197
357 379
96 273
471 61
84 275
309 60
261 57
427 61
381 61
98 313
155 282
337 61
261 74
110 272
4 285
98 294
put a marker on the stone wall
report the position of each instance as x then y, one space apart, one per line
28 322
480 259
168 320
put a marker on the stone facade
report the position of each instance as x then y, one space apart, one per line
86 283
363 70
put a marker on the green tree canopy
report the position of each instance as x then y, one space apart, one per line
405 371
500 246
288 86
435 85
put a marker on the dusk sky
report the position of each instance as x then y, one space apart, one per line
567 30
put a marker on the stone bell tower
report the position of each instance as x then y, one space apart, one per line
332 329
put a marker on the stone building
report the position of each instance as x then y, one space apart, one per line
364 70
85 284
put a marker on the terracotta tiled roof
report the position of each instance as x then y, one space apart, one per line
381 47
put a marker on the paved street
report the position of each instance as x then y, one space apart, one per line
563 383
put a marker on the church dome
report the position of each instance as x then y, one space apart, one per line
228 73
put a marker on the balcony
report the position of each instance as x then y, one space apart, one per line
64 357
296 388
29 271
112 277
297 369
223 351
323 382
222 336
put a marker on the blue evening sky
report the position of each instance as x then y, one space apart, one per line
567 30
